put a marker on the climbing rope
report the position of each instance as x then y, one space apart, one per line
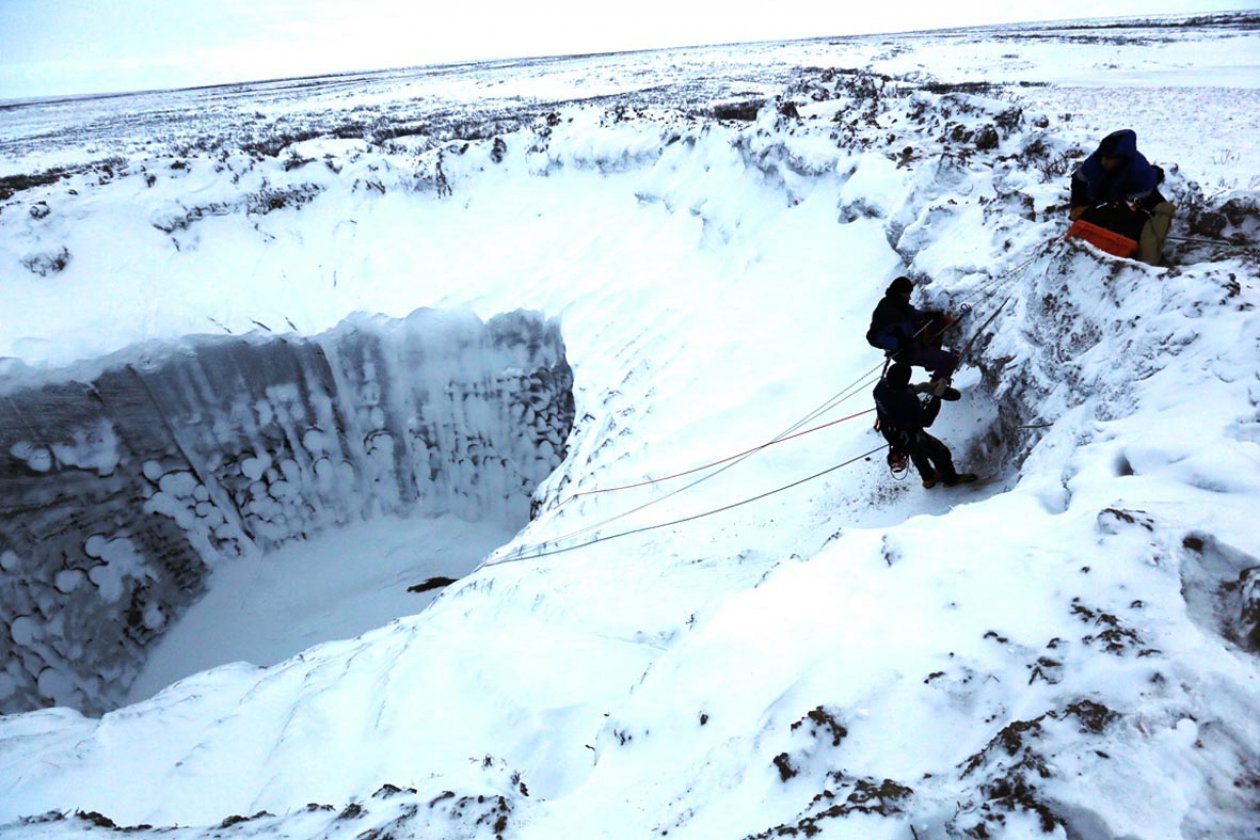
754 449
990 288
840 397
515 558
1217 243
962 354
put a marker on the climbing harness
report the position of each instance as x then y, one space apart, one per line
898 463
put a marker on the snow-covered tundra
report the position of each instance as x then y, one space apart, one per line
499 438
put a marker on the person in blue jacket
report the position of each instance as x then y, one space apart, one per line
1118 188
903 418
912 335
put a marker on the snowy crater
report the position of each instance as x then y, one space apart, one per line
1065 649
125 485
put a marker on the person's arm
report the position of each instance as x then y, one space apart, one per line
1080 196
928 412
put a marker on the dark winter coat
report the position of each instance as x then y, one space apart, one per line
901 410
894 324
1135 182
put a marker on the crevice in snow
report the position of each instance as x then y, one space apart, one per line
123 488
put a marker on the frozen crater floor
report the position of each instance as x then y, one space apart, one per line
336 585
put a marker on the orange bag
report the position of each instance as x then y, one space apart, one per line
1103 239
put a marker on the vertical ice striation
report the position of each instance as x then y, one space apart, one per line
120 489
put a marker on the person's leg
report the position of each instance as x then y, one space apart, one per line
1154 232
910 444
941 461
940 363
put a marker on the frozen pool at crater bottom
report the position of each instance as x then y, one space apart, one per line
337 585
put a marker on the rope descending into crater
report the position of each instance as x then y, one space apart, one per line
546 552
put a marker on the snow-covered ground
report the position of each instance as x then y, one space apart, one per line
1068 648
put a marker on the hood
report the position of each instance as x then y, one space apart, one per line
1122 143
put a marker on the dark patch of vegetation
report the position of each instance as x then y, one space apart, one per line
519 784
844 795
1230 20
1129 517
275 198
353 811
499 150
1046 669
1093 717
273 144
821 719
786 771
236 819
1015 786
1116 637
987 138
41 819
745 111
1249 614
350 131
174 223
959 87
96 818
388 790
10 185
46 264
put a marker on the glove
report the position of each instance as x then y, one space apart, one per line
1077 212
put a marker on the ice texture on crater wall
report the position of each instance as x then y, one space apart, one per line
120 490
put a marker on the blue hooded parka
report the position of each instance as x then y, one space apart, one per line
1134 182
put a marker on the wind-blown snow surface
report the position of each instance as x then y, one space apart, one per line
1068 649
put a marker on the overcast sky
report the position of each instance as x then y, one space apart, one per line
58 47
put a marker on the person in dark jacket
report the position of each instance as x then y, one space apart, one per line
903 417
912 335
1117 188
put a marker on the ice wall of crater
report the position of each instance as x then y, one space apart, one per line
123 485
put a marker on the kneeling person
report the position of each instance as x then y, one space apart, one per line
902 420
1117 188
